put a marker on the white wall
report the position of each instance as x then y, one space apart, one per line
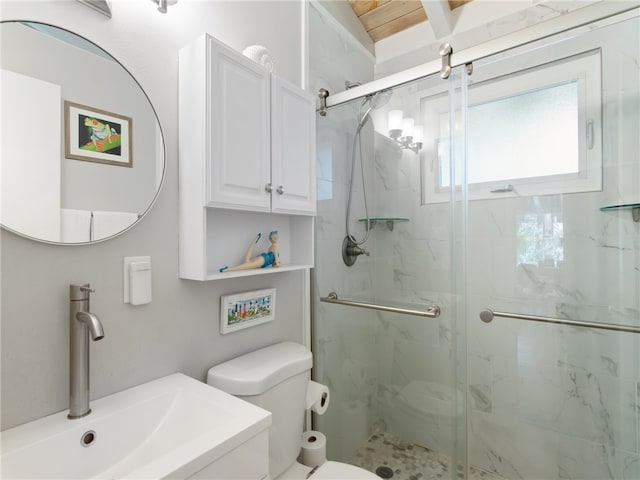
342 13
30 176
178 331
336 56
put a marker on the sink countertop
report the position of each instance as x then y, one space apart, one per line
175 425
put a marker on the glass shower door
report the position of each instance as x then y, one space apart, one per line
397 396
553 175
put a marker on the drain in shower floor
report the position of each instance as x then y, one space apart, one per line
384 472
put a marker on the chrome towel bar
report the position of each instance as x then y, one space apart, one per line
432 311
487 315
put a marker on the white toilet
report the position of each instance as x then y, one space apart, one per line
276 378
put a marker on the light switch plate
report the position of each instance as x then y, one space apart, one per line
126 274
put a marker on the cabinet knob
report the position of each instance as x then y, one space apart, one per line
268 188
280 190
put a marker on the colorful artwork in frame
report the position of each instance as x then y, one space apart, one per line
95 135
244 310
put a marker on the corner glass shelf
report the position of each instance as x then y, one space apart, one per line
389 222
634 207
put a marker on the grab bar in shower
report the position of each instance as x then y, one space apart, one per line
487 315
432 311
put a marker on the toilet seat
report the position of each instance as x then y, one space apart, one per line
341 471
328 471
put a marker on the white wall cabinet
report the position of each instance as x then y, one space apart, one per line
293 142
237 129
247 162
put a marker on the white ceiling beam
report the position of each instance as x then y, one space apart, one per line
102 6
439 15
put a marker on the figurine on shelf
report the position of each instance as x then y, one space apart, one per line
269 258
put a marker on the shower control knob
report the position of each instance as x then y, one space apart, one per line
280 190
268 188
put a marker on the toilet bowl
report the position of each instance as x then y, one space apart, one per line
327 471
276 378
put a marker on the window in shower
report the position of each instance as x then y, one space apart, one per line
531 132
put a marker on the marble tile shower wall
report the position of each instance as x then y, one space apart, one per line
416 395
343 338
376 364
550 401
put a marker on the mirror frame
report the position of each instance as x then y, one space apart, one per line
162 137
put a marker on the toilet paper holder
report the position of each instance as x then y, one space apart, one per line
317 397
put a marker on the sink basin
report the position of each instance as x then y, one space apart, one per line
171 427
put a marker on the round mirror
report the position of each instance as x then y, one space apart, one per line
82 153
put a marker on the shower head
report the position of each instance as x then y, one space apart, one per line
375 100
380 99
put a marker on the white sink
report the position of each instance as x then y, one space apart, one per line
169 428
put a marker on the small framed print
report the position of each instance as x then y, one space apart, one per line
94 135
248 309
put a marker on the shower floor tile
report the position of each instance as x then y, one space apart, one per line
408 461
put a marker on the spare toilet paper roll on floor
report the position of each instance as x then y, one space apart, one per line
314 448
317 397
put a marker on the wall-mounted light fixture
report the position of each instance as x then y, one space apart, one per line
404 131
163 4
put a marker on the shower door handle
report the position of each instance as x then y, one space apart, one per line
590 135
503 189
487 315
431 311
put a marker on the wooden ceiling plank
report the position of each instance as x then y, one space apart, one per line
389 12
382 18
453 4
360 7
387 29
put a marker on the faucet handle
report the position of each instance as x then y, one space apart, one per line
80 291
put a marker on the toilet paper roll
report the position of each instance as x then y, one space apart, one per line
317 397
314 448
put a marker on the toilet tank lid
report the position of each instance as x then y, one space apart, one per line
258 371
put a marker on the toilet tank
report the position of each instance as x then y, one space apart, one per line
274 378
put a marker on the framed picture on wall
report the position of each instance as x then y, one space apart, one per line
95 135
248 309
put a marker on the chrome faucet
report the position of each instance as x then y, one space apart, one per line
82 323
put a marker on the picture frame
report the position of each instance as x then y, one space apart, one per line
246 309
95 135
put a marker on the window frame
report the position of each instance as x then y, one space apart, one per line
508 78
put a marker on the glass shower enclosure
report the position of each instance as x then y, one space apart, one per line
508 196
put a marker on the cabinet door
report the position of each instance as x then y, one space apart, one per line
238 137
293 132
